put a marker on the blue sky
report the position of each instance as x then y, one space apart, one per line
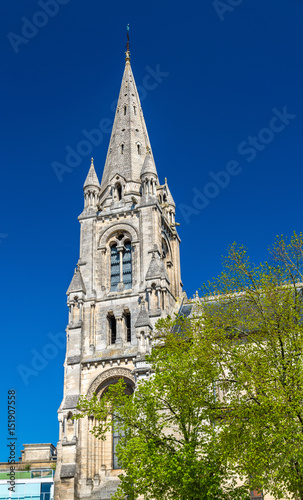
225 119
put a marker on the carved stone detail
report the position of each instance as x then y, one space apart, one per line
107 375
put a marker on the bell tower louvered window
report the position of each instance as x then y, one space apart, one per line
115 267
127 266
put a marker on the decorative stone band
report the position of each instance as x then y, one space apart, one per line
112 373
73 360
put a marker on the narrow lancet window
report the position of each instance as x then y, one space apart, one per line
127 266
125 108
112 329
127 326
122 149
119 191
115 268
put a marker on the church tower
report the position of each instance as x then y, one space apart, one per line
127 277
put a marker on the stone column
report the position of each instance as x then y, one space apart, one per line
158 288
64 429
60 430
119 330
148 291
92 327
80 311
72 313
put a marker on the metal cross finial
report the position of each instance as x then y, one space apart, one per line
127 53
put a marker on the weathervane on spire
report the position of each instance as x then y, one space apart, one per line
127 53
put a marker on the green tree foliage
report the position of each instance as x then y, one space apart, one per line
225 399
252 329
168 449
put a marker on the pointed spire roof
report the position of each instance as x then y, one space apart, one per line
170 199
91 179
149 166
129 138
76 284
143 318
156 269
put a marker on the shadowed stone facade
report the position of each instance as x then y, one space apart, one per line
127 277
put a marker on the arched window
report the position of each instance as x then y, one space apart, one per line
127 265
122 149
115 267
135 110
118 432
164 249
112 326
125 108
127 322
138 149
117 435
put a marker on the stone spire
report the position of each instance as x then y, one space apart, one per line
129 138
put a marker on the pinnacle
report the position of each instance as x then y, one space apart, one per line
170 199
149 165
76 284
156 269
91 179
143 318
